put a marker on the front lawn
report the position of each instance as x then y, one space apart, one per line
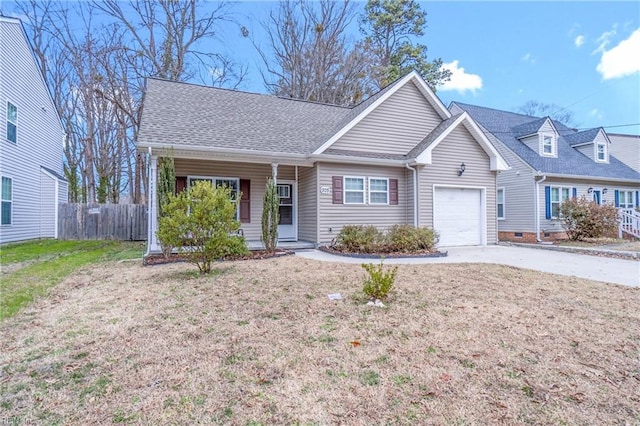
29 269
259 343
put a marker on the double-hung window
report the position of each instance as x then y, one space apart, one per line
12 122
353 190
232 183
625 199
7 201
378 191
601 152
500 203
558 196
547 145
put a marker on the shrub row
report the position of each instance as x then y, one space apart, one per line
397 239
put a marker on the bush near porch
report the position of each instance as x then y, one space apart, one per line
582 218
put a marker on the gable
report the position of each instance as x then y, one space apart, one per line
458 147
395 126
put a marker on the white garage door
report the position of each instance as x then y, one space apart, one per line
457 216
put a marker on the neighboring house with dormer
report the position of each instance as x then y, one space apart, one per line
549 164
31 143
626 148
400 157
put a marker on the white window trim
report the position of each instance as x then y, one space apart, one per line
9 121
606 154
279 186
560 199
345 190
213 179
628 199
554 144
504 199
370 191
3 200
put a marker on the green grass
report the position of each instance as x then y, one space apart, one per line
50 261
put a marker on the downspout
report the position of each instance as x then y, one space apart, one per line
537 207
149 208
415 194
57 204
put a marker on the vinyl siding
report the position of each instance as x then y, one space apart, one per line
48 206
396 126
257 173
590 149
554 225
518 187
626 148
40 133
458 147
308 191
334 216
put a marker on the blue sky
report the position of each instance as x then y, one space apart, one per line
583 56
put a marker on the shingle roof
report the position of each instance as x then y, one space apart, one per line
201 116
431 137
528 128
570 161
579 138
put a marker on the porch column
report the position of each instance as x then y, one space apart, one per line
152 238
274 172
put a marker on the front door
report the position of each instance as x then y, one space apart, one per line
288 211
596 196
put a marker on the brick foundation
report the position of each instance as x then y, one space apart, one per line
530 237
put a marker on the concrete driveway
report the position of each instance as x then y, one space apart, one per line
617 271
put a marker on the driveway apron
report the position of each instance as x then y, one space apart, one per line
606 269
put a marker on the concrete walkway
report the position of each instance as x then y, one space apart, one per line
617 271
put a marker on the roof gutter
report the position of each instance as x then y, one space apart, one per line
186 151
536 203
356 160
590 178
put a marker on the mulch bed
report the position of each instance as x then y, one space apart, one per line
423 253
160 259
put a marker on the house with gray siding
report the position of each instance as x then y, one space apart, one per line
549 164
399 157
31 143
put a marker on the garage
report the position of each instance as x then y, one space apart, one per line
458 216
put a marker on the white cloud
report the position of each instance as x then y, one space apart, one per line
528 58
596 113
579 41
605 38
460 80
621 60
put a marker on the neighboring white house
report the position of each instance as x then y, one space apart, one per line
31 138
551 163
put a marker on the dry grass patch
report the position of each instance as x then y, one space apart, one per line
258 342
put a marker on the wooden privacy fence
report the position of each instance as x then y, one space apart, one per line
102 222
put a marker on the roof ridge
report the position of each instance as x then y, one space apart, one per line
268 95
500 110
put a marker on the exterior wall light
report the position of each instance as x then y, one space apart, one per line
462 169
590 190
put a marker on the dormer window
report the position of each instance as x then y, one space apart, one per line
548 145
601 152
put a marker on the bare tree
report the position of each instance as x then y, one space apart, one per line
309 55
540 109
